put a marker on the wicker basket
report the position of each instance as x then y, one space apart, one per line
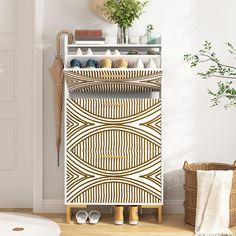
191 188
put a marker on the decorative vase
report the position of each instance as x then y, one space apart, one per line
151 39
122 35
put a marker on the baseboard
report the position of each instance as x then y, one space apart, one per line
57 206
173 206
54 206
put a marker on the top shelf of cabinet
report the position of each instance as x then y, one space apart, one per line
140 46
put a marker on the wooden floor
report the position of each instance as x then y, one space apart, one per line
172 225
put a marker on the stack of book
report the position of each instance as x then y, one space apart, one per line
89 37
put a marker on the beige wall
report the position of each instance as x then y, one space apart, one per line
191 129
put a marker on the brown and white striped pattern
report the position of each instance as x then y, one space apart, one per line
96 80
113 151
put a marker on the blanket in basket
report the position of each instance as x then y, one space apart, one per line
213 195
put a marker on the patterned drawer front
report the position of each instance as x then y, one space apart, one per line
113 151
119 80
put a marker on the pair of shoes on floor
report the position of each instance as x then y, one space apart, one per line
119 215
93 217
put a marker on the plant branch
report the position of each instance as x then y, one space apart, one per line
216 61
217 70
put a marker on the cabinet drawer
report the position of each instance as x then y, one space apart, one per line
113 153
119 80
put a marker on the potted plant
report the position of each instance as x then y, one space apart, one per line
124 13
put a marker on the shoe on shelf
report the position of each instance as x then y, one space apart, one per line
119 215
94 217
133 215
81 217
76 64
91 63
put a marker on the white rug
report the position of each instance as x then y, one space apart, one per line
18 224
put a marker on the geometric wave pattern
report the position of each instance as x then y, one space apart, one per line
118 80
113 151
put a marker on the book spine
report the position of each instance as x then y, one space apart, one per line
90 38
88 33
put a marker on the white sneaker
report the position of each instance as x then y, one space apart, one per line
81 217
94 217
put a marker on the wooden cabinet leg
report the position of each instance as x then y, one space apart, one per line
69 211
68 214
159 214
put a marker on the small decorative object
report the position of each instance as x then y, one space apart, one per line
75 63
143 39
150 37
133 52
79 52
110 39
151 64
108 52
139 64
123 13
106 63
116 52
134 39
89 52
122 63
91 63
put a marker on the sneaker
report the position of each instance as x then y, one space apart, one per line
133 215
94 217
81 217
119 215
